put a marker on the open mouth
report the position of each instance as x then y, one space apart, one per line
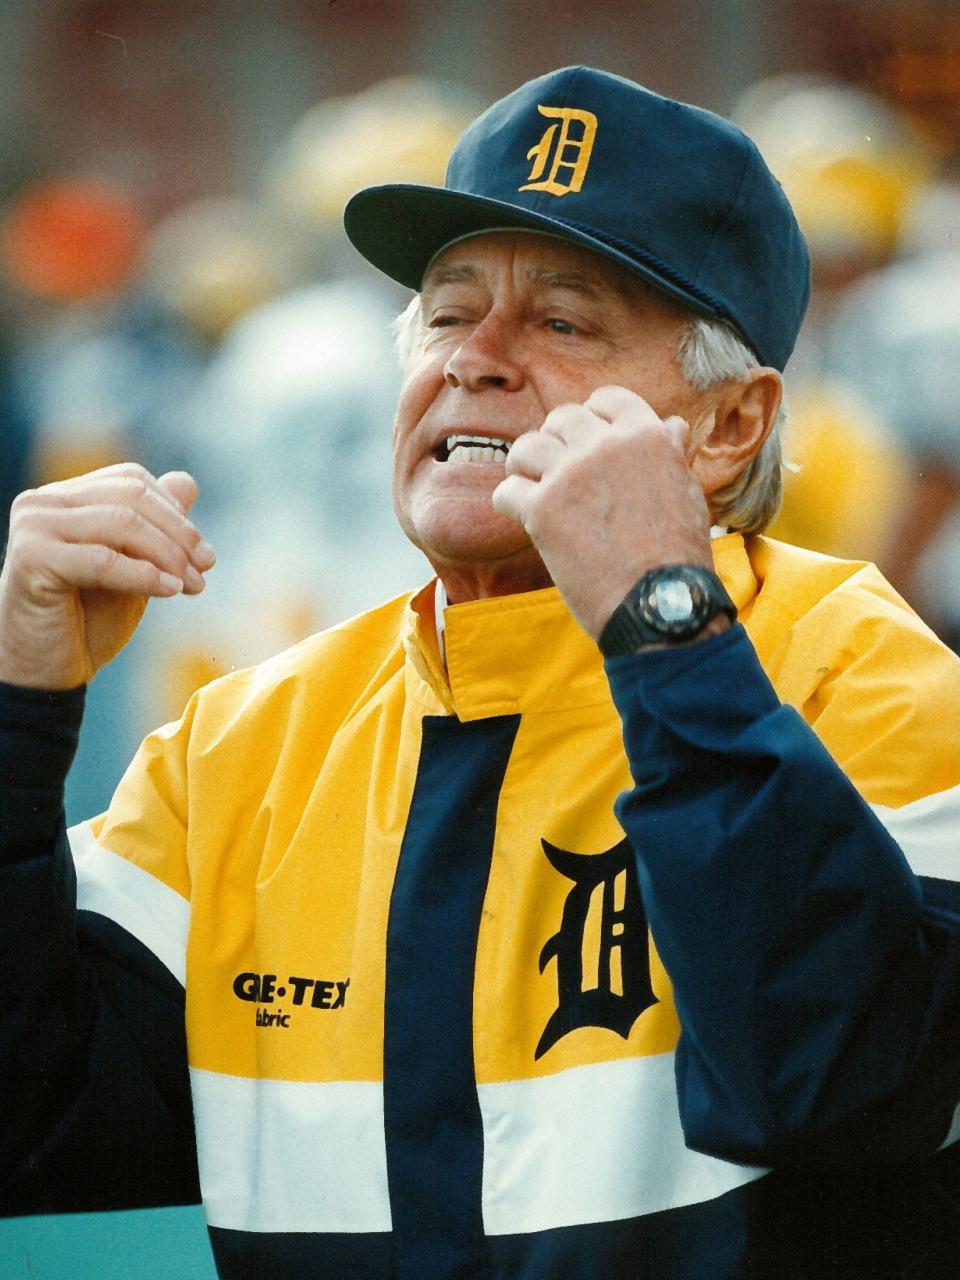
472 449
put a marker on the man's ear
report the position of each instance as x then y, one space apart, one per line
744 416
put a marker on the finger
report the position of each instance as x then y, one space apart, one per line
513 497
86 566
122 478
180 486
99 488
611 403
619 404
123 471
183 489
140 492
568 422
123 529
533 454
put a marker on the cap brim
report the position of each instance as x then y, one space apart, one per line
401 228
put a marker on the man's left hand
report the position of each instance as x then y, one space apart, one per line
606 492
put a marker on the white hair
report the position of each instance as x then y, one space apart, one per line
406 331
709 352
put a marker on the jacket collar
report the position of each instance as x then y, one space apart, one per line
523 653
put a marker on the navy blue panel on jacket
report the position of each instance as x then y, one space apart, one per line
432 1122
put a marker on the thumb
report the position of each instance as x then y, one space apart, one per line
181 487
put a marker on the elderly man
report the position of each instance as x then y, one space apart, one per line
452 1007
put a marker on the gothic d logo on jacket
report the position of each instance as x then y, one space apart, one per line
605 984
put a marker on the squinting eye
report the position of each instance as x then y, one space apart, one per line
444 322
561 326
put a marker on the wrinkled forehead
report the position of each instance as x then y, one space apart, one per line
537 256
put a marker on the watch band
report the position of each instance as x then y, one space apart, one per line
625 633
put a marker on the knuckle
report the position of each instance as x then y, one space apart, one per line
519 451
152 574
135 488
180 561
128 518
133 470
54 494
25 517
26 509
565 412
19 519
22 500
677 431
103 558
615 399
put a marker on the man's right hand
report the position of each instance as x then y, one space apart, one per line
83 557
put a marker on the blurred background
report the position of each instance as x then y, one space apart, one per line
175 289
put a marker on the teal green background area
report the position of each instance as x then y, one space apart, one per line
148 1244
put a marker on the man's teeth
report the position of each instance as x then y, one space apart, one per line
476 449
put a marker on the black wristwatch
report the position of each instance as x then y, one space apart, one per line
669 605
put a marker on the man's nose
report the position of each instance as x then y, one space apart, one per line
488 356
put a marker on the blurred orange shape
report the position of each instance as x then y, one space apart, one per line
71 239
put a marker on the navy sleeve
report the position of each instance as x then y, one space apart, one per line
815 976
93 1071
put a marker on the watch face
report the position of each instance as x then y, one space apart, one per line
677 602
673 601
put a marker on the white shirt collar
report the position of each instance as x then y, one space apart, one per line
439 604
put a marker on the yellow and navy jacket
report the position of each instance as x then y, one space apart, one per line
510 965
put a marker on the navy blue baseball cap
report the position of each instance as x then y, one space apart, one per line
670 191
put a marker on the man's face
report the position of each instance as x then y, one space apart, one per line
513 325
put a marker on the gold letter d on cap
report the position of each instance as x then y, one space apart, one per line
558 144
